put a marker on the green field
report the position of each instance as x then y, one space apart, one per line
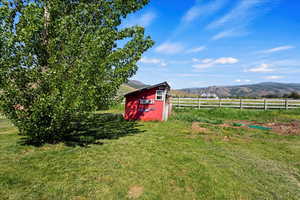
157 160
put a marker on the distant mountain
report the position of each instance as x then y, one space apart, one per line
181 93
136 84
254 90
131 86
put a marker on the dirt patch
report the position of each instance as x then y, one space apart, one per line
135 192
196 127
226 139
291 128
228 126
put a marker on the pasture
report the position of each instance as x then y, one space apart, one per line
192 156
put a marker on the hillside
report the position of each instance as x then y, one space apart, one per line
130 86
255 90
181 93
125 89
136 84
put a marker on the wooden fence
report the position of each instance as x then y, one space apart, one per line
236 103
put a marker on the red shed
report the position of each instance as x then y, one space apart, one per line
149 104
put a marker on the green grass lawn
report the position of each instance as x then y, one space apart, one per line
160 160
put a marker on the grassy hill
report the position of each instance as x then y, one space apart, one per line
130 86
124 89
254 90
136 84
153 160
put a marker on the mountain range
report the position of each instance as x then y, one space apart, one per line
251 90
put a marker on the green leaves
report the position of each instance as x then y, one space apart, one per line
58 59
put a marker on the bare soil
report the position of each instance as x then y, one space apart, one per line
196 127
290 128
135 192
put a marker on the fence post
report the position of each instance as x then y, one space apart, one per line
178 102
265 105
286 104
220 103
241 104
199 103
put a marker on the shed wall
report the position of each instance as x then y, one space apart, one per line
145 112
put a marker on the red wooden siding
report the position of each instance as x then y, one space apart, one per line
134 110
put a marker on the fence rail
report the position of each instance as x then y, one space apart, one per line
236 103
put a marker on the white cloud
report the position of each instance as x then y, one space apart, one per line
287 62
242 81
273 77
192 14
180 62
207 63
228 33
223 34
245 12
195 60
203 66
276 49
163 64
170 48
144 20
200 10
239 17
261 69
226 60
189 75
147 19
207 60
153 61
196 50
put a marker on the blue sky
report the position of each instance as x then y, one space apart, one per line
201 43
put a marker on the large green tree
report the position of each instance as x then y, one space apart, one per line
61 59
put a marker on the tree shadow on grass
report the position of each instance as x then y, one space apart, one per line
101 126
97 127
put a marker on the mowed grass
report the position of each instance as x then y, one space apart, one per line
236 114
165 160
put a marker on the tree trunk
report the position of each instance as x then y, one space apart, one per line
46 36
46 24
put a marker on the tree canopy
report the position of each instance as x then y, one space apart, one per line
61 59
